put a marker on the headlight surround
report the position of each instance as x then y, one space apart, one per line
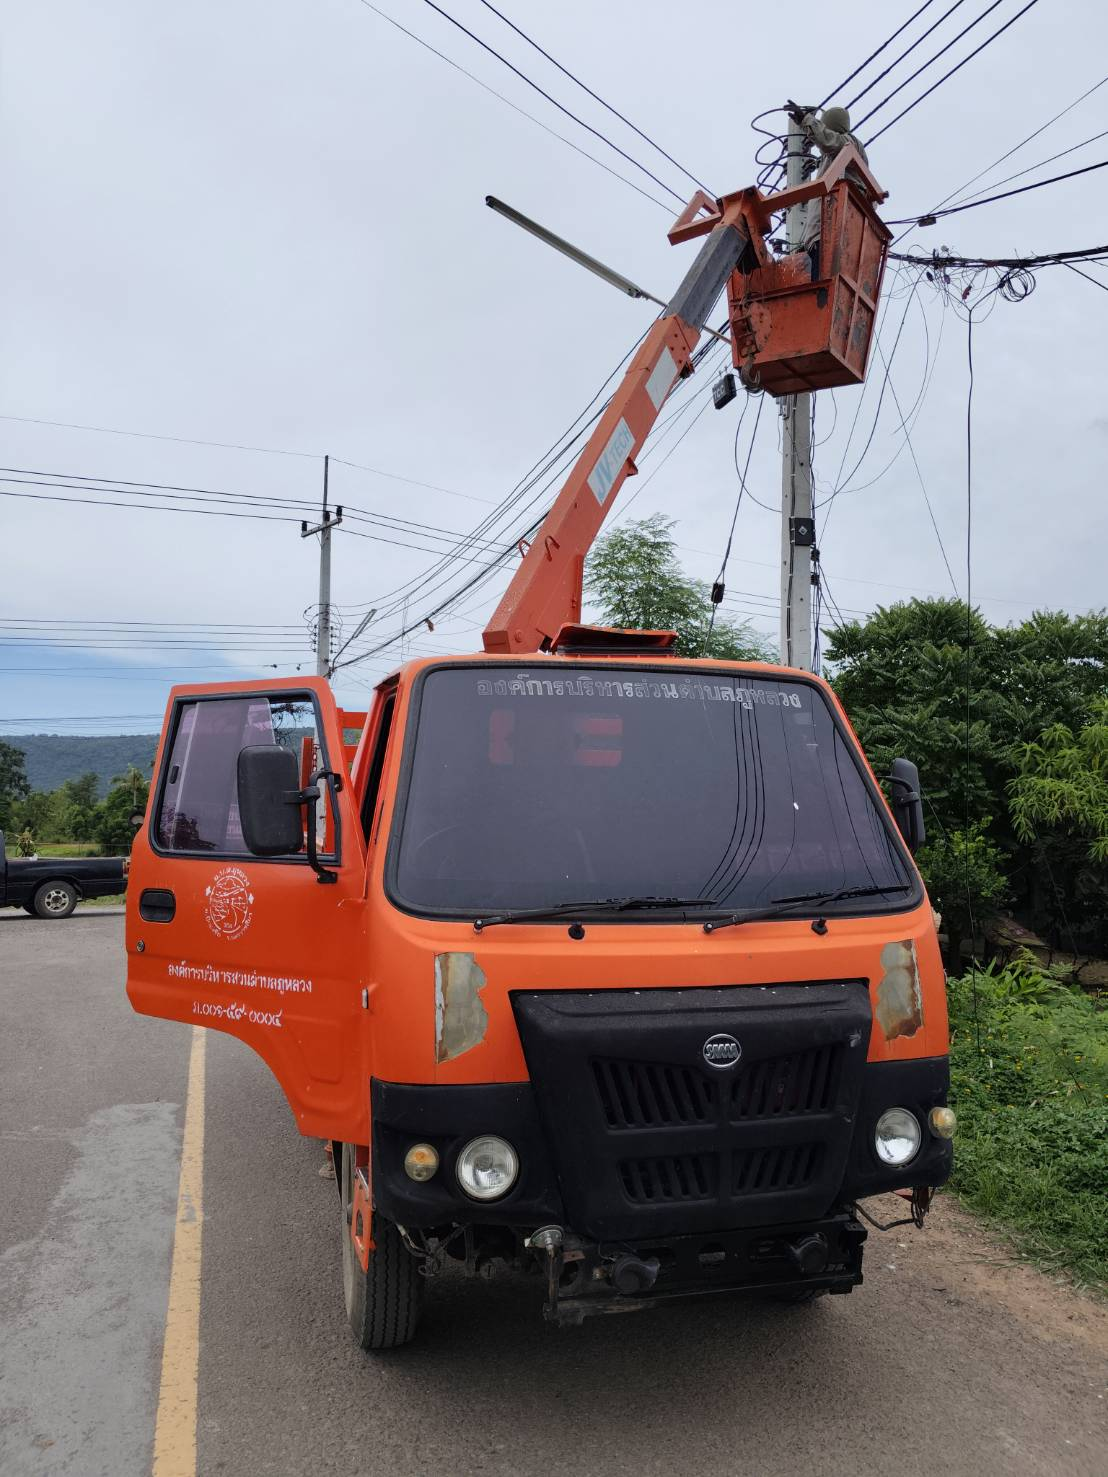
897 1136
487 1167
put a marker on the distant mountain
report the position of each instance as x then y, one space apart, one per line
54 758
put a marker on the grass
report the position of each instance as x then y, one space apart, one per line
115 900
63 848
1029 1081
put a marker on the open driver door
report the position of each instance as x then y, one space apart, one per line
246 906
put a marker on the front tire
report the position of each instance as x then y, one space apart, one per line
383 1304
55 900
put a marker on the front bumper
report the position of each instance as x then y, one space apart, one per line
448 1117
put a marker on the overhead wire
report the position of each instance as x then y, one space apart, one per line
924 65
1024 142
1031 168
947 75
515 106
530 82
596 96
720 580
936 215
888 41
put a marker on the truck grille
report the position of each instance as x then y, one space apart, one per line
670 1178
647 1138
663 1095
652 1094
761 1171
802 1082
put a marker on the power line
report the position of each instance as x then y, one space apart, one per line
1042 162
557 452
159 625
919 474
776 167
935 215
1025 141
874 54
894 64
31 420
184 493
1102 285
411 481
719 583
946 75
516 108
94 497
596 132
923 67
596 96
938 260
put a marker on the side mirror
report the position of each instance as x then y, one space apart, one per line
136 819
269 800
907 803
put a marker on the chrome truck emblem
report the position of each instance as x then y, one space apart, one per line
721 1051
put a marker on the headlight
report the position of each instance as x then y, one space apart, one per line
897 1136
421 1162
487 1168
942 1122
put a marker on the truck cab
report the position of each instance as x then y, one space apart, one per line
616 963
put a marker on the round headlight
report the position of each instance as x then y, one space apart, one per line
942 1122
897 1136
487 1168
420 1162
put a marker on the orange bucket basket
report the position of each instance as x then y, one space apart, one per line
791 334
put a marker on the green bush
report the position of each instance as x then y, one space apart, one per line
1029 1081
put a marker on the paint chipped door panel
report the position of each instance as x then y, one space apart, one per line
257 947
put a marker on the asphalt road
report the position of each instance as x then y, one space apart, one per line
950 1359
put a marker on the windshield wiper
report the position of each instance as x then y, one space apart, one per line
590 905
782 906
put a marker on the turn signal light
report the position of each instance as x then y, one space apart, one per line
420 1162
942 1122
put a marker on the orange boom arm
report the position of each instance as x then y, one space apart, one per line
545 593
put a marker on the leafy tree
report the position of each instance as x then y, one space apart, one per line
13 782
634 577
25 844
1059 807
902 674
1062 782
113 830
33 814
77 807
965 879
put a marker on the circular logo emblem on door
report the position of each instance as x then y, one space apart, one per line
229 903
721 1051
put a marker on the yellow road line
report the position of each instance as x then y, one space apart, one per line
175 1432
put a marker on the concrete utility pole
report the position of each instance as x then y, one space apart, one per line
797 526
323 620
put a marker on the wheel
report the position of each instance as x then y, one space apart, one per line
28 908
55 900
382 1304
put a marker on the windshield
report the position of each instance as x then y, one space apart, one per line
549 785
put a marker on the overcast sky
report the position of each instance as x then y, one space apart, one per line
262 222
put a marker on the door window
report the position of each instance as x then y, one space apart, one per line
198 804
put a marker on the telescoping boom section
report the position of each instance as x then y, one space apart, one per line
789 332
